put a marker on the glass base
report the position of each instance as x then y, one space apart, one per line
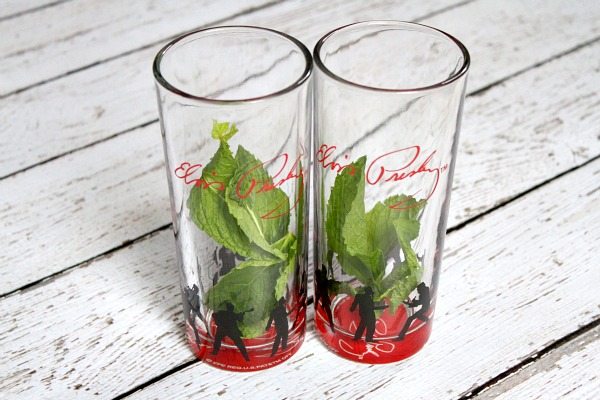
385 348
260 351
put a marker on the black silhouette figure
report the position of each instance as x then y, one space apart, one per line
366 310
322 293
424 301
279 317
227 325
301 296
226 260
191 309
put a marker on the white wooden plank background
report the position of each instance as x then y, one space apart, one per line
15 8
123 313
91 179
518 288
569 372
103 113
42 45
127 168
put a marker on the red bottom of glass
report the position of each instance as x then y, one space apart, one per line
259 349
385 347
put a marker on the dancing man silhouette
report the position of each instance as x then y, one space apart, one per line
227 325
366 310
322 293
191 309
424 300
279 317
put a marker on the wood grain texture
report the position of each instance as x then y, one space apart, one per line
517 33
15 8
116 191
74 336
569 372
500 300
81 205
115 96
72 35
107 212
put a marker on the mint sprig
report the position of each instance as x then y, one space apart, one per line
362 241
254 212
240 217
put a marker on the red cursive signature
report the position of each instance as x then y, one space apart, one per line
248 185
279 178
186 171
324 156
392 167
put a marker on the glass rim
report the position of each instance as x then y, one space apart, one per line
162 81
462 71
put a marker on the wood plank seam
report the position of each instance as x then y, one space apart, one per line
32 10
182 366
157 378
466 391
590 187
91 144
567 337
270 14
566 372
47 279
441 10
474 93
520 195
531 359
573 49
36 154
478 389
141 48
451 229
471 393
138 49
481 90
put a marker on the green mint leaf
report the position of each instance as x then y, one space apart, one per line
261 211
346 229
250 288
362 241
401 211
405 276
223 130
391 224
356 238
287 245
238 207
341 200
209 211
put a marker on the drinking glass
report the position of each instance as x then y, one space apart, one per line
234 106
388 103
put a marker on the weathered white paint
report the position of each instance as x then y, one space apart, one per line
92 203
81 205
112 97
115 323
59 39
510 278
506 292
569 372
11 8
117 311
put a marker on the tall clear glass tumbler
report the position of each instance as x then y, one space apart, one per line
235 110
388 103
